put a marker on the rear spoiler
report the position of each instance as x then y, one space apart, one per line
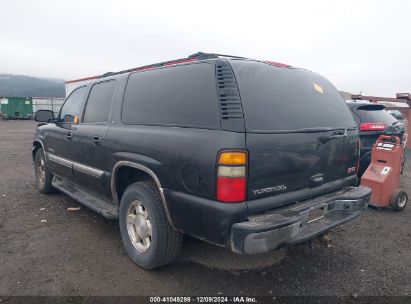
371 107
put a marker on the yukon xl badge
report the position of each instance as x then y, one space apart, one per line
269 189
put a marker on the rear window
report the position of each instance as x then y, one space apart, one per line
396 114
182 96
370 114
287 99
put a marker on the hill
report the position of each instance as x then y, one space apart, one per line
26 86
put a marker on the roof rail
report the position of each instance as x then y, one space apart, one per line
191 58
202 56
197 56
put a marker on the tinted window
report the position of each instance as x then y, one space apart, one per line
286 99
99 102
375 115
178 96
73 105
396 114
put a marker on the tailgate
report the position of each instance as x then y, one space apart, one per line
301 137
281 163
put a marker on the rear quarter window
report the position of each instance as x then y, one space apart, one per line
286 99
181 96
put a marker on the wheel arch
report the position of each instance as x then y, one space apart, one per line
37 144
146 171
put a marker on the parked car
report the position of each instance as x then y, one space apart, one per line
373 120
241 153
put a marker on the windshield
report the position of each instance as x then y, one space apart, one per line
286 99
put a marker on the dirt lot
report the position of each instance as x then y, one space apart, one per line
47 250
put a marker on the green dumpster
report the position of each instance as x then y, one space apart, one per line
16 107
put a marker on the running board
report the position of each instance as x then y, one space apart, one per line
95 203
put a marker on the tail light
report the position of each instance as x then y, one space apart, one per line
372 126
231 176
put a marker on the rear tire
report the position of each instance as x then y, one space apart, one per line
42 173
398 200
148 237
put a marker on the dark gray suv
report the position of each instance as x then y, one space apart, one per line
246 154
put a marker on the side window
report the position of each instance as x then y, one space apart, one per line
99 102
73 105
182 96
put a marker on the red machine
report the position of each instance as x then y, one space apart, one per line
383 174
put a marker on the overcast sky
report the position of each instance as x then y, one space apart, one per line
358 45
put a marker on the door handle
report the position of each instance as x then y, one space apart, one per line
96 141
69 135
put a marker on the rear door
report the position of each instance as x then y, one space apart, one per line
90 138
301 136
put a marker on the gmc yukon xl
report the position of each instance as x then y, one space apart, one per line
246 154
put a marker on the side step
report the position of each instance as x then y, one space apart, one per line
97 204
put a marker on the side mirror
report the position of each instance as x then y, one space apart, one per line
44 116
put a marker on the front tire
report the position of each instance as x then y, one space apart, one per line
148 237
42 173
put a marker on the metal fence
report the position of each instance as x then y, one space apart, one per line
44 103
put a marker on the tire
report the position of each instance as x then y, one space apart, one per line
42 173
141 205
398 200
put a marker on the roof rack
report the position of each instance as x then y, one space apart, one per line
202 56
191 58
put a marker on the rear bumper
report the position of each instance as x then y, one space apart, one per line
299 222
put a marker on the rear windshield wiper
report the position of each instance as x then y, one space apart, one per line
315 130
304 130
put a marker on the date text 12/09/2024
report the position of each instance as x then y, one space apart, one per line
218 299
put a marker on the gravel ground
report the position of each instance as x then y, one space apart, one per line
47 250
